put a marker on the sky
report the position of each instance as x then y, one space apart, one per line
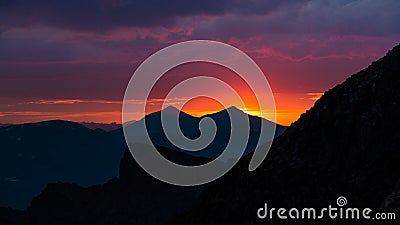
73 59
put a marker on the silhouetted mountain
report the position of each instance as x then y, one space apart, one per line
33 155
36 154
347 144
103 126
9 216
63 167
189 125
133 198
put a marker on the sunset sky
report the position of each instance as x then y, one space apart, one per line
72 59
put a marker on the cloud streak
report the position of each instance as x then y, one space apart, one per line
66 102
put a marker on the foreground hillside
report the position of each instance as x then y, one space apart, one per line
348 145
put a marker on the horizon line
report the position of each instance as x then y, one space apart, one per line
132 121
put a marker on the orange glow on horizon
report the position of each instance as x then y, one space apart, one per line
289 106
201 106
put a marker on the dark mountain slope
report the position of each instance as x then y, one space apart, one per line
348 144
10 216
133 198
35 154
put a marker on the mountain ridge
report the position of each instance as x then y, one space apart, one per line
189 126
347 145
34 154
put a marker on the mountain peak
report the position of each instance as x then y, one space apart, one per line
170 109
234 108
337 146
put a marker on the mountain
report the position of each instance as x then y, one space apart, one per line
347 144
35 154
103 126
48 152
189 125
133 198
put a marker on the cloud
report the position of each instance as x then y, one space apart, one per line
153 101
314 96
17 117
66 101
99 31
61 52
103 16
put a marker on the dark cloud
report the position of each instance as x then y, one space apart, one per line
329 18
103 16
60 81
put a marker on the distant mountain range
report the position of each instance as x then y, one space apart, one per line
35 154
189 125
102 126
90 125
347 145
